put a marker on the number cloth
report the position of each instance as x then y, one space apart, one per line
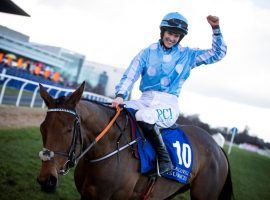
179 149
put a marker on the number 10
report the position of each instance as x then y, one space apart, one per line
184 157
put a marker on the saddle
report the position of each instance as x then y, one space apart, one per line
131 113
178 147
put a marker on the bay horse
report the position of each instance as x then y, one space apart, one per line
70 131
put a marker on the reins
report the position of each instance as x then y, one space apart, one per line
102 133
47 154
105 130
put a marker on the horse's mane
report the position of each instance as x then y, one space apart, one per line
107 108
104 104
60 102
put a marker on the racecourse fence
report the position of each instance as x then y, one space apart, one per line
32 87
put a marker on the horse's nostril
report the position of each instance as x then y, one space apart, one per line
49 185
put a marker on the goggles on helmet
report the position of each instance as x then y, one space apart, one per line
176 23
175 20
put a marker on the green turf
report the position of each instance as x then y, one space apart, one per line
19 167
14 91
251 175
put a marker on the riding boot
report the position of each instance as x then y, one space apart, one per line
153 135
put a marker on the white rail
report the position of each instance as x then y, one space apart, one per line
7 78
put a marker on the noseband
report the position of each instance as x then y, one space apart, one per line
46 154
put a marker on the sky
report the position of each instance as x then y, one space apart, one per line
232 92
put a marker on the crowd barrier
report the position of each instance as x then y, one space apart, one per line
22 84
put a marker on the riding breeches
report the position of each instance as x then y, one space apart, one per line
155 107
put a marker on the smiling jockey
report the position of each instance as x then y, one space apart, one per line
164 66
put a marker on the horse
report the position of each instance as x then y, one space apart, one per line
73 135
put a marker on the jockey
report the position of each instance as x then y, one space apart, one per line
164 67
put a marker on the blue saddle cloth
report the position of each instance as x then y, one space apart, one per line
180 152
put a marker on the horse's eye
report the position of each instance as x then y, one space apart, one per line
68 129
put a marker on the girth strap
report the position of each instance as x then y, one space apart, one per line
149 187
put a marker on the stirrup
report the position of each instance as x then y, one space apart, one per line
158 173
158 169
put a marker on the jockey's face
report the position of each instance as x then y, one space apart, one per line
169 39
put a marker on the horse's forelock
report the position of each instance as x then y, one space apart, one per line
59 101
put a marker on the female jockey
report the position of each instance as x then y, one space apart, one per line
164 67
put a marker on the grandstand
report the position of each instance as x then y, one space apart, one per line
24 64
17 51
52 65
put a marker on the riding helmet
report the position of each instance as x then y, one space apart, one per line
174 22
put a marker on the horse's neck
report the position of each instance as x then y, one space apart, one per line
94 119
92 116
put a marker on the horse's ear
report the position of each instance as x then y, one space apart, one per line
76 96
45 95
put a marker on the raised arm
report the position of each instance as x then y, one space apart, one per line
218 50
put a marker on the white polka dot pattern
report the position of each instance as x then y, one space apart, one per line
165 81
151 71
179 68
167 58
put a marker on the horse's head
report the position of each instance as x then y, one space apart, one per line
60 135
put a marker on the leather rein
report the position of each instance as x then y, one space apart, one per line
47 155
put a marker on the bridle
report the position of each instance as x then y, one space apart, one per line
72 159
47 155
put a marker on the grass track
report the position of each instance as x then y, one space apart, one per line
19 167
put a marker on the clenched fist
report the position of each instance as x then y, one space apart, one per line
213 20
117 101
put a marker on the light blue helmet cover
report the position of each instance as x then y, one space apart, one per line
175 20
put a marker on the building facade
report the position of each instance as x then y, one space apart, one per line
17 51
100 75
56 63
